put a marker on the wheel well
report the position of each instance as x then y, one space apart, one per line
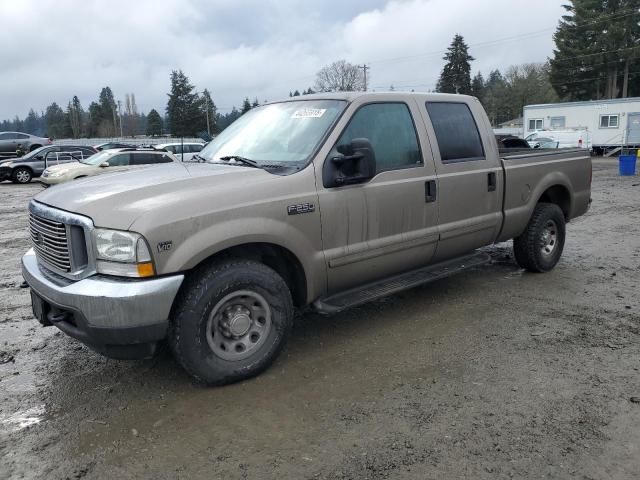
23 167
559 195
285 263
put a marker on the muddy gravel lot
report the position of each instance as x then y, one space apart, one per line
493 373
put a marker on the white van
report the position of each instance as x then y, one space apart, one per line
563 138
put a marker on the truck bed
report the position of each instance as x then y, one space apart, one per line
527 177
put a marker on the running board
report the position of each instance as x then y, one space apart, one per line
397 283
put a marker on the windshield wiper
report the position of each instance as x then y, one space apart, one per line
238 158
198 157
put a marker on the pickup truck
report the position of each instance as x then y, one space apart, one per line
326 202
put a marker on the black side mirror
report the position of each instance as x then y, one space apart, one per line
354 163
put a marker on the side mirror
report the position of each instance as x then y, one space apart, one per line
104 164
354 163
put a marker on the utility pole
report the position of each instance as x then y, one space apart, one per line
364 68
206 101
120 115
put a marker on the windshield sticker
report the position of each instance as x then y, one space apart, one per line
309 113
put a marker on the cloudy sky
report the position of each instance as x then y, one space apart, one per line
54 49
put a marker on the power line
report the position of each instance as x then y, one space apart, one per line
616 15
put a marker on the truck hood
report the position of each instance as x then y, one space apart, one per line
116 200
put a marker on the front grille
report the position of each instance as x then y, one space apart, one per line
50 242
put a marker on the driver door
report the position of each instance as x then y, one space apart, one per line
388 224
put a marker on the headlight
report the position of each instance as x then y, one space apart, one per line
51 174
121 253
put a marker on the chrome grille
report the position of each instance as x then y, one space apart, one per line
50 242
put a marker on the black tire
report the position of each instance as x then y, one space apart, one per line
197 330
540 246
22 175
33 147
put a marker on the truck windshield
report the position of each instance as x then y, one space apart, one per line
277 134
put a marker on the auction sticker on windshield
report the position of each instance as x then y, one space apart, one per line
309 113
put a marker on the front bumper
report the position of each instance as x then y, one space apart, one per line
121 318
5 174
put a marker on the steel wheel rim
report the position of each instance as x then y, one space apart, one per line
22 176
238 325
549 241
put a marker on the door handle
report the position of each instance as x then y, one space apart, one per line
430 191
491 182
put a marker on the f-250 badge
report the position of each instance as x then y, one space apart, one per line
301 208
165 246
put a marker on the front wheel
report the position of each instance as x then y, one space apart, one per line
22 175
230 321
539 247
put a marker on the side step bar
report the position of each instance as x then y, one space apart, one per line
397 283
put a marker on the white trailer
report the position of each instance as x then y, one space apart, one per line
612 124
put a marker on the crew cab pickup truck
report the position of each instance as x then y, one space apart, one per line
327 201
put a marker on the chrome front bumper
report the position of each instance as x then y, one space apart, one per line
106 310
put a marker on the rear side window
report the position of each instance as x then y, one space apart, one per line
456 132
148 158
6 136
195 148
389 127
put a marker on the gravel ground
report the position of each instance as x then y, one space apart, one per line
493 373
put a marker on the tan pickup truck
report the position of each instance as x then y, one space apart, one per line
327 201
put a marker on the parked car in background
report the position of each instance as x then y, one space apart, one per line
104 162
564 138
9 142
112 145
512 142
184 151
23 169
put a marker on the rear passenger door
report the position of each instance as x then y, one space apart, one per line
470 176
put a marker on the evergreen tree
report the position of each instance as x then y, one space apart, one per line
477 86
255 103
296 93
246 105
183 108
94 119
75 116
495 97
597 51
32 123
55 119
108 123
456 74
154 123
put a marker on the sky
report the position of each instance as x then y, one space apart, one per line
51 50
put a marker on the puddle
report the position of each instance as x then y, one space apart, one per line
22 419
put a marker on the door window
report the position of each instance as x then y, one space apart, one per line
390 129
119 160
195 148
145 158
456 132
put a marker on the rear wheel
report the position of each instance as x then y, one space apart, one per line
21 175
540 246
230 321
